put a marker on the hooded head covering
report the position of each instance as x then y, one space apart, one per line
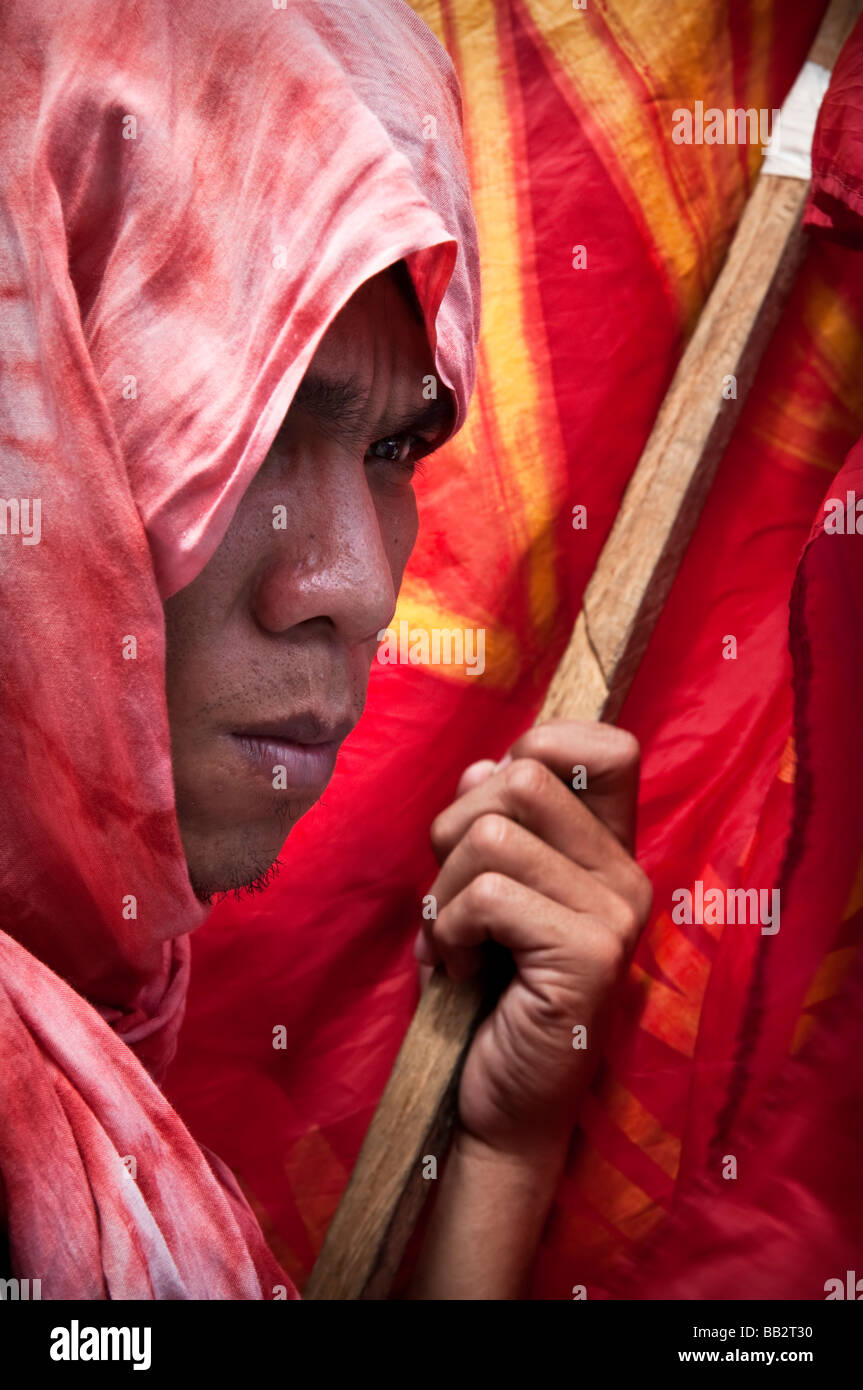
190 194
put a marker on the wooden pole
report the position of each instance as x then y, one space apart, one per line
622 602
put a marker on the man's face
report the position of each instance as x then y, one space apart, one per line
269 649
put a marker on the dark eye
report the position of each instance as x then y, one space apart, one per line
396 448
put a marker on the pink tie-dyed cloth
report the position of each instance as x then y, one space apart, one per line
189 195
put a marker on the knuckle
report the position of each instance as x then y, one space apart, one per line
609 954
627 749
640 895
438 833
627 919
486 894
534 742
526 780
441 930
489 834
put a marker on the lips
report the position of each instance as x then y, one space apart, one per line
305 745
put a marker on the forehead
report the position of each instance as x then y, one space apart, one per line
379 337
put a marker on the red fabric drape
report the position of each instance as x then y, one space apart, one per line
568 123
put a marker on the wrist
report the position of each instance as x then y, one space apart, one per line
488 1218
533 1152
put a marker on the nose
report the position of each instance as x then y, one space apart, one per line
331 561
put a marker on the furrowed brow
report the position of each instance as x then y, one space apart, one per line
434 417
328 399
341 402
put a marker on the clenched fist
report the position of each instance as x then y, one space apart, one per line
549 874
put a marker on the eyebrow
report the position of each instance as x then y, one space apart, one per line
342 401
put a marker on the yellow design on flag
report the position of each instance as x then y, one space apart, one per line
529 477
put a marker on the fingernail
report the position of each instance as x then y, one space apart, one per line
507 758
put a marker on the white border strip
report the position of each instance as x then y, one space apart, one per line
789 153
